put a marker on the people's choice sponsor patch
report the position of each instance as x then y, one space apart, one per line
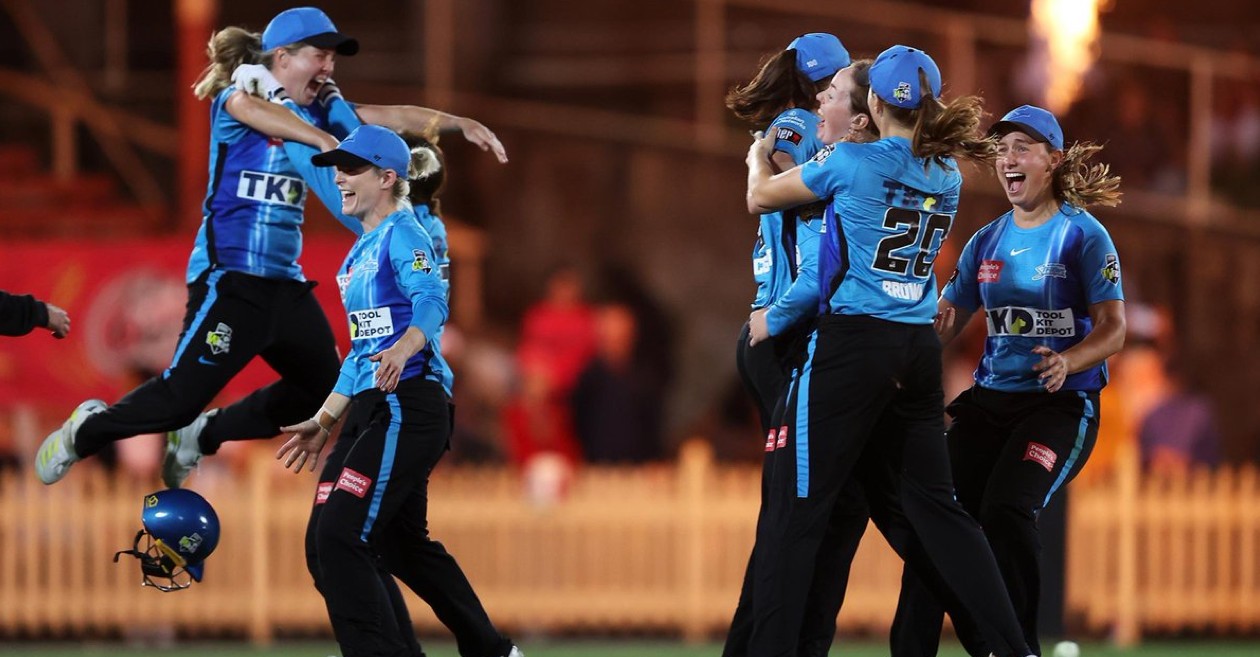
1041 455
353 482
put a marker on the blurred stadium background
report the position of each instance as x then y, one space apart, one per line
626 169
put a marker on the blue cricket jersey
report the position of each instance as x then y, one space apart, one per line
342 120
388 282
781 256
1035 286
887 218
252 215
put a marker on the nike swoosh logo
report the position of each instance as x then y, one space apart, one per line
203 361
1016 252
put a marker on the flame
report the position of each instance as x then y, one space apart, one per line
1066 32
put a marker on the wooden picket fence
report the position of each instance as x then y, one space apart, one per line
658 548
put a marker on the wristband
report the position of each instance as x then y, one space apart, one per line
332 419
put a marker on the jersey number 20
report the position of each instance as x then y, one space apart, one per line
913 227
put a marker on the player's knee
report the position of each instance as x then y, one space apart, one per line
998 515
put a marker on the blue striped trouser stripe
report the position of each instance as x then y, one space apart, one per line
802 420
387 464
1086 415
194 327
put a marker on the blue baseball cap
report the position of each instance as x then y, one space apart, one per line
368 144
819 55
895 76
1033 121
307 25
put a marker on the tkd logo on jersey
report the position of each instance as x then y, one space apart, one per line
1111 269
271 188
1031 322
220 339
368 324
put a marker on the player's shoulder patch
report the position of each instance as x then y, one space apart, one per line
784 133
420 261
1111 268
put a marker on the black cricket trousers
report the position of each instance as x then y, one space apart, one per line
1012 452
230 318
768 370
863 373
372 499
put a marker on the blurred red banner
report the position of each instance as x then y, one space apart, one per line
126 303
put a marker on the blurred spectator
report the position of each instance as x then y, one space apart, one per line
733 426
1180 431
1140 155
1131 392
482 386
557 339
654 339
617 399
1236 142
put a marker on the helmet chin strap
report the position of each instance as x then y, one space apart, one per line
155 565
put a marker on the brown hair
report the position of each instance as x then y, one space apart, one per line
1081 184
777 86
857 96
944 130
228 48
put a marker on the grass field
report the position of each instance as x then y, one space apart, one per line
607 648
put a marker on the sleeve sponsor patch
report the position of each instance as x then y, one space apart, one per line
1111 269
420 261
788 134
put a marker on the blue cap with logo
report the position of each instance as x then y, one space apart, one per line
1033 121
895 76
368 144
307 25
819 55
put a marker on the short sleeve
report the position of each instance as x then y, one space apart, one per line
792 135
833 175
1100 267
963 288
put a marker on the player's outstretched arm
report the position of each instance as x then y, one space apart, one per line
419 120
277 121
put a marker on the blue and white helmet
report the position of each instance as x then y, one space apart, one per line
181 529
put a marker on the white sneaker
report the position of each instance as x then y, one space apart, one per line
183 451
56 453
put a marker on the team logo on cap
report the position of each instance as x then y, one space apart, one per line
902 92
